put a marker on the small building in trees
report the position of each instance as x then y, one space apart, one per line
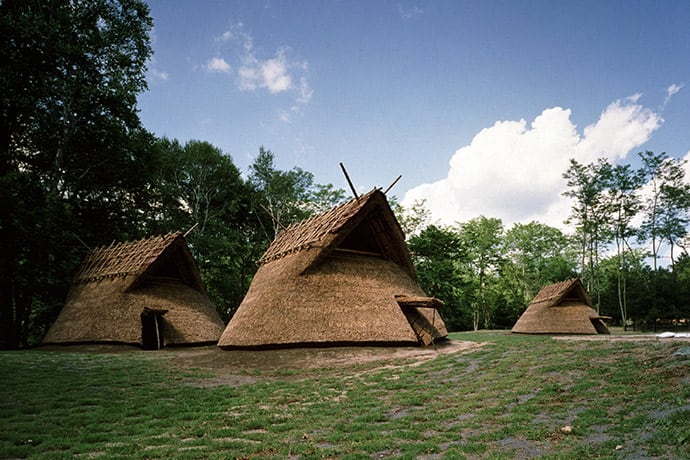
561 308
344 277
147 293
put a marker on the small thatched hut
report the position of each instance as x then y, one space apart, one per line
561 308
148 292
344 277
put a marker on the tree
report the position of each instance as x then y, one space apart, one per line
639 304
200 187
667 204
74 159
481 238
590 215
435 253
287 196
625 205
535 255
414 219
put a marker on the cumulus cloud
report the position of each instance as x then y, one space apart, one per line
513 170
218 65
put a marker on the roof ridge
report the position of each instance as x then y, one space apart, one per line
122 259
303 235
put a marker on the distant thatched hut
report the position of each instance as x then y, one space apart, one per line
148 292
342 277
561 308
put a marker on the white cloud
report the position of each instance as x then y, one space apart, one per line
218 65
272 74
305 92
409 12
156 74
276 74
284 116
671 90
225 36
513 170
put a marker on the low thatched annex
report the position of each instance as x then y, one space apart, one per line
344 277
561 308
147 292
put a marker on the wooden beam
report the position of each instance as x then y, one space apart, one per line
352 187
385 192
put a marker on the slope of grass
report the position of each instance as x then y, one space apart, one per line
516 397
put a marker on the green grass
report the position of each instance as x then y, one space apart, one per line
512 398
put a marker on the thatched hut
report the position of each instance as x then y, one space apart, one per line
561 308
344 277
148 293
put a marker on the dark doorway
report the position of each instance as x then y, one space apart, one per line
152 337
600 326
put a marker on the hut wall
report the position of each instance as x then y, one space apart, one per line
190 316
558 319
97 311
346 299
100 311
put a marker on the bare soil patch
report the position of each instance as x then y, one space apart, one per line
213 358
238 367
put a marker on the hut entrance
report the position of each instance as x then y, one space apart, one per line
600 326
424 325
152 337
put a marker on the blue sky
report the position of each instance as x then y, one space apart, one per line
477 104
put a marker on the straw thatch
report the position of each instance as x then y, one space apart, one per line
333 280
123 290
561 308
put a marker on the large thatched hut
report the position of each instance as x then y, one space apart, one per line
561 308
344 277
147 292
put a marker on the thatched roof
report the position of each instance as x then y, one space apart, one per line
332 280
340 228
561 308
116 285
133 259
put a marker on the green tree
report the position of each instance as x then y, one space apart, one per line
435 253
590 214
74 159
413 219
286 197
200 188
666 207
481 239
535 255
625 204
639 305
682 287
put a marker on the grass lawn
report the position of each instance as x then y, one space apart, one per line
514 397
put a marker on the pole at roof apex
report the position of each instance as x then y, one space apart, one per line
352 187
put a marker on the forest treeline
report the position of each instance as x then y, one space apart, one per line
78 170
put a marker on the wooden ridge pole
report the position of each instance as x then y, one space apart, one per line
385 192
352 187
190 230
